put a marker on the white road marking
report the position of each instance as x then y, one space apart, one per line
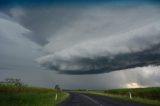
94 101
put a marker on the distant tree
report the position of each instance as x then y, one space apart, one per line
12 81
57 88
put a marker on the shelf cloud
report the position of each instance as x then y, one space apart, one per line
99 44
137 48
93 39
98 39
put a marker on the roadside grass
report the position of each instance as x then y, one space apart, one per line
29 96
151 97
148 93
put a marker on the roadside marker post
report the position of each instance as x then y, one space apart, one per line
57 89
130 95
56 97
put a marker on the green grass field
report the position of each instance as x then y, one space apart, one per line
146 93
29 96
150 96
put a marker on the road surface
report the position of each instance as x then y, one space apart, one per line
77 99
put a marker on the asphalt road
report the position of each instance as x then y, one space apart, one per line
77 99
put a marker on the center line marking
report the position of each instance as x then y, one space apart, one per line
94 101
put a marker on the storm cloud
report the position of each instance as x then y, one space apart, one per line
93 39
133 49
81 45
99 40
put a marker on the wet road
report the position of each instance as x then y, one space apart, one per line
77 99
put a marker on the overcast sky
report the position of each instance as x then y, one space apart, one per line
81 44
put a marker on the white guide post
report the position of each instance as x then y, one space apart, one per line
56 97
130 95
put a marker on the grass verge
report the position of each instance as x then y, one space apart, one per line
29 96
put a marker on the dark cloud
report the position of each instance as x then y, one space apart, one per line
58 29
133 49
83 43
4 3
106 64
44 22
